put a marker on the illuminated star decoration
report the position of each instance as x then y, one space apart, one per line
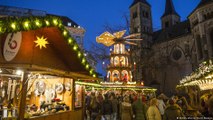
41 42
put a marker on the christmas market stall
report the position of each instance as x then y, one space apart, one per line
198 84
39 64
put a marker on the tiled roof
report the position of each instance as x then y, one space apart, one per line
172 32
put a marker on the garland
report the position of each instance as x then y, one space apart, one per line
205 69
15 24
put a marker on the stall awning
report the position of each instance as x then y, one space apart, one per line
47 47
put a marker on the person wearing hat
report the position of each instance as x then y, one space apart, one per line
173 111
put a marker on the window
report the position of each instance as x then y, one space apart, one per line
135 14
166 24
177 54
146 14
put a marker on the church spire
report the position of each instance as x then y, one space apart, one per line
170 16
169 9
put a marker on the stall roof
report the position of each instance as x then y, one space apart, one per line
45 45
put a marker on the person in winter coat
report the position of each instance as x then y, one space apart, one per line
114 106
161 105
210 106
153 113
107 108
173 111
126 109
139 109
94 107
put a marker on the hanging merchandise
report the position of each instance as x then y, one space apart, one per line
59 88
40 86
67 86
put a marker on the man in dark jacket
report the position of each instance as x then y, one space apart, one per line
173 111
114 106
107 108
139 109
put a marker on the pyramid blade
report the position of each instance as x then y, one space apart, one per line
134 39
131 43
106 38
132 35
119 34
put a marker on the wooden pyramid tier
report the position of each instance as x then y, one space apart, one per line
120 67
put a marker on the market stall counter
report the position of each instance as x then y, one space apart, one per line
39 64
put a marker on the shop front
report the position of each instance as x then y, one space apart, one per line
199 84
39 64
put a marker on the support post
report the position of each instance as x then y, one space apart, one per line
22 98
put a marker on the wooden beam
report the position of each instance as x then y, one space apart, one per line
22 98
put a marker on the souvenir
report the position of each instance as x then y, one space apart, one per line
67 86
40 86
59 88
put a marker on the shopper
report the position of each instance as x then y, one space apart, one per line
94 107
114 106
161 105
106 109
173 111
139 109
126 109
153 113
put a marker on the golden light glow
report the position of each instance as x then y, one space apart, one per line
41 42
106 38
119 34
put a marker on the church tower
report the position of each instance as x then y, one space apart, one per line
170 16
140 22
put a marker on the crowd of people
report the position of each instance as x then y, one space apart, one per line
136 106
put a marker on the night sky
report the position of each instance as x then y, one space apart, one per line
92 15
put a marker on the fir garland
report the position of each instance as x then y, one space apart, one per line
16 24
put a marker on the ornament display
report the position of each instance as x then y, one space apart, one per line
68 86
59 88
40 87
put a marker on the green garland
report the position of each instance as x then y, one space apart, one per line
15 24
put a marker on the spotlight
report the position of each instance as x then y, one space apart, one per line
19 72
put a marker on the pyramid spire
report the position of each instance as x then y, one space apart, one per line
169 9
142 1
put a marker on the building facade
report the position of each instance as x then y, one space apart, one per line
174 51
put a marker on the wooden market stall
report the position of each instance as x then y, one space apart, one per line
136 87
39 64
198 84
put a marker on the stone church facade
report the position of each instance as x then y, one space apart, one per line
167 55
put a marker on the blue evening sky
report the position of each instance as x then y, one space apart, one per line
92 15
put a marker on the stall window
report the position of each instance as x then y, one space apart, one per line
78 96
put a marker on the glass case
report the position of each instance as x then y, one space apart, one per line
78 96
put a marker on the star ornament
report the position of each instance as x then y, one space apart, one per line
41 42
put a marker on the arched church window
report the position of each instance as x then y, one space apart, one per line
176 54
